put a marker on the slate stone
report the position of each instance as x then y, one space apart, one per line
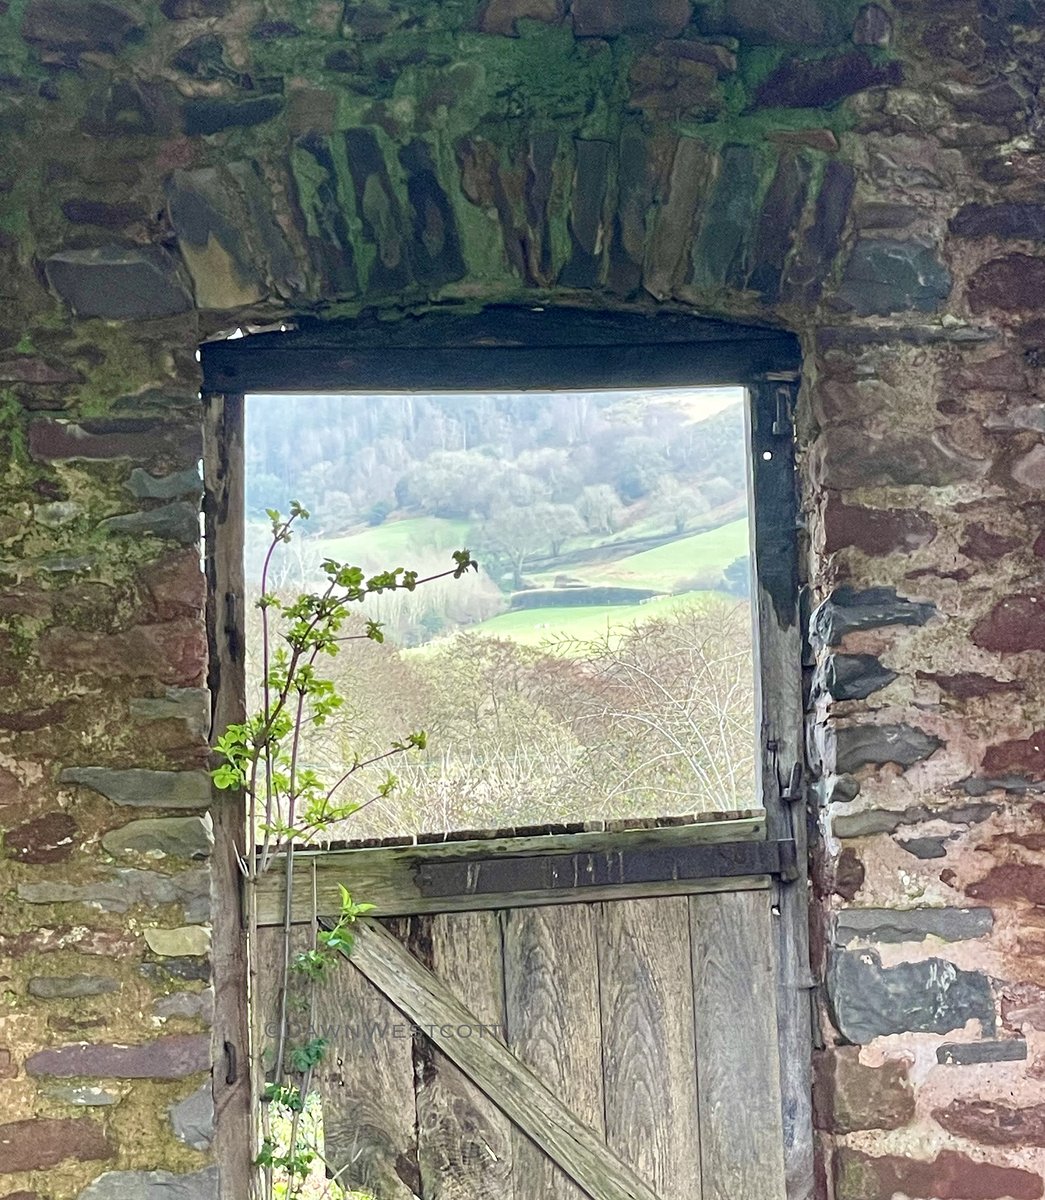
436 247
853 337
719 254
969 1054
187 940
126 887
821 82
925 847
847 610
79 25
188 1005
1000 220
854 676
864 745
537 196
192 1119
894 925
204 58
177 522
781 212
147 789
83 1097
179 837
822 238
153 1185
118 284
994 101
172 1057
379 212
183 10
211 222
841 789
934 996
587 214
884 820
324 214
872 27
164 487
668 254
71 987
191 705
634 197
800 22
189 970
206 115
885 276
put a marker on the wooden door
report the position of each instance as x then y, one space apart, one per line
543 1046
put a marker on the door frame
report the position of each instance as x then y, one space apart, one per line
513 348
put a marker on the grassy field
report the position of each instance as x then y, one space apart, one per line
537 625
397 540
661 568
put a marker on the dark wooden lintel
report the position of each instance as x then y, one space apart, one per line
556 872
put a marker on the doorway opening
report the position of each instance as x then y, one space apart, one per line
608 790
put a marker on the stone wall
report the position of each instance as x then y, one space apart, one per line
867 176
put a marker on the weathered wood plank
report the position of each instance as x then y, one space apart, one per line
782 737
738 1084
223 507
646 986
270 363
489 1064
464 1140
552 1006
391 877
366 1087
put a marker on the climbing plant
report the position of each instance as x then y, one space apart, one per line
290 804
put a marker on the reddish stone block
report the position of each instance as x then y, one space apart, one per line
967 685
1014 624
1023 1004
848 874
108 439
39 1145
1013 283
848 1096
500 16
981 543
1003 373
608 18
1024 757
166 1058
21 1196
172 653
26 368
875 531
175 586
1011 883
994 1124
43 940
1039 545
47 839
950 1176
